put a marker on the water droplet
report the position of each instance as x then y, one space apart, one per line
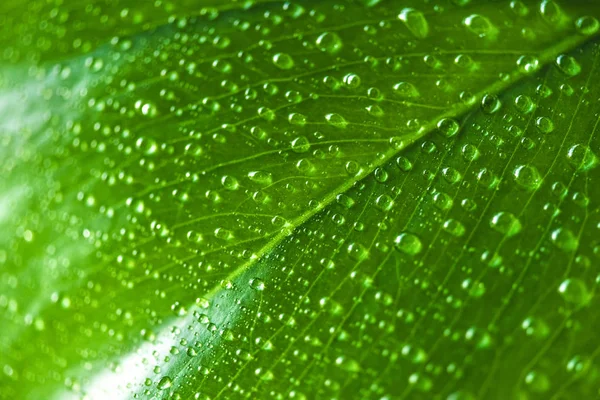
408 243
535 327
336 120
537 382
357 252
384 202
568 65
551 12
415 22
443 201
230 183
381 175
345 200
404 164
470 152
490 104
574 291
544 124
587 25
164 383
454 227
147 146
257 284
329 42
351 81
524 104
506 223
480 26
519 8
416 355
564 239
261 177
528 177
283 61
528 64
300 144
582 158
448 127
461 395
406 90
297 119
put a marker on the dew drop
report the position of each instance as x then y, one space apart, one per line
506 223
230 183
454 227
568 65
582 158
408 243
448 127
406 90
351 81
564 239
336 120
300 144
490 104
329 42
544 124
384 202
524 104
283 61
415 22
147 146
587 25
528 177
261 177
257 284
574 291
164 383
480 26
528 64
551 12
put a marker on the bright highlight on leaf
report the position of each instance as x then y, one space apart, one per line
353 199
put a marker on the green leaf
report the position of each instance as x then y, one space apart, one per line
352 199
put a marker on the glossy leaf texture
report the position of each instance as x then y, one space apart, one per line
322 199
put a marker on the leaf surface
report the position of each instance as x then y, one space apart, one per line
316 200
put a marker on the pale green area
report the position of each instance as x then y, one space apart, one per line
314 200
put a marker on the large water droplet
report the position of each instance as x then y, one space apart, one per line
480 26
164 383
415 22
506 223
329 42
564 239
408 243
283 61
568 65
574 291
582 158
528 177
